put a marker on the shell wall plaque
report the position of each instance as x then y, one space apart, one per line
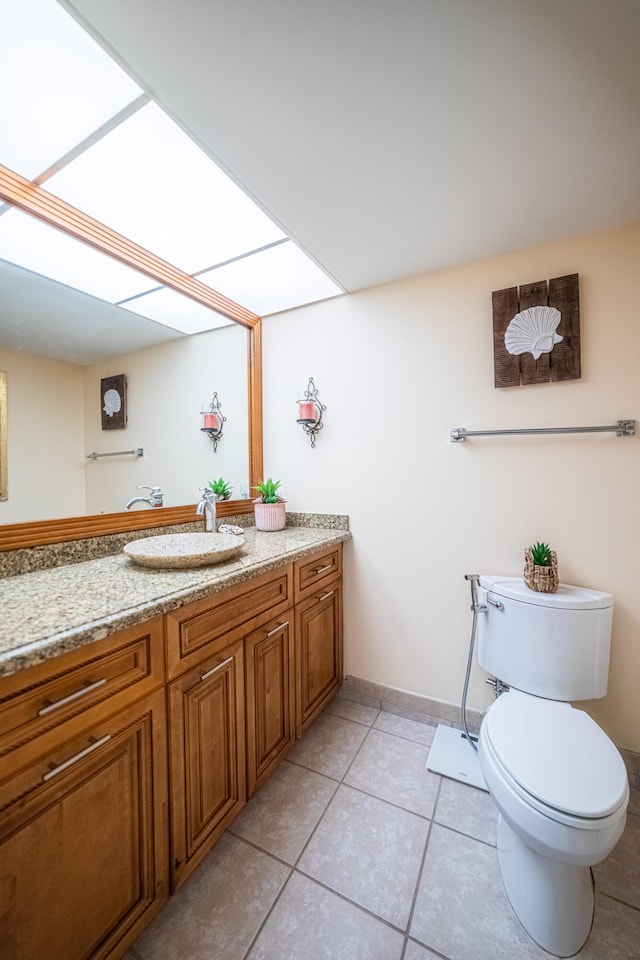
536 332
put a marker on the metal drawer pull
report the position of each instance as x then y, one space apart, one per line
49 707
277 629
78 756
322 569
209 673
320 599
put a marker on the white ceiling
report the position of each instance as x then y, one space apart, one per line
394 137
49 319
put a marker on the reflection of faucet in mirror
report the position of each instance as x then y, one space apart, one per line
207 506
153 500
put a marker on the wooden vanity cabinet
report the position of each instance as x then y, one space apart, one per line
318 632
319 670
206 754
294 664
99 821
270 687
207 732
83 800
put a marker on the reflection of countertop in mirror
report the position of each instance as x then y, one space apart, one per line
49 612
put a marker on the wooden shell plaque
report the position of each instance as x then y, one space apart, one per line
532 343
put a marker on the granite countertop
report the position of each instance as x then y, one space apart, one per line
49 612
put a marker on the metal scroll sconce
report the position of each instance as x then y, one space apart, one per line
212 421
310 411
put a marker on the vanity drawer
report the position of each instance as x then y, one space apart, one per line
69 688
232 613
313 572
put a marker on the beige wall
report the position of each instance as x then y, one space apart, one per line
398 366
166 386
46 442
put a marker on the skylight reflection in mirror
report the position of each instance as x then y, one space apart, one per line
34 245
58 85
172 309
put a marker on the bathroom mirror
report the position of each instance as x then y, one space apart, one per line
3 435
242 337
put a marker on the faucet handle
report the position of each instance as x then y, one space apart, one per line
155 496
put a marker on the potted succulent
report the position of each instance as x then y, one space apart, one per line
221 489
541 568
269 507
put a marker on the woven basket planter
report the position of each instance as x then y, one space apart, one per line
541 579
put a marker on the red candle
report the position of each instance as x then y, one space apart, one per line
306 411
211 421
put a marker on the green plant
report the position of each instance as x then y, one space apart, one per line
221 488
541 554
268 490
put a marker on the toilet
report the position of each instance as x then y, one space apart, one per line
558 781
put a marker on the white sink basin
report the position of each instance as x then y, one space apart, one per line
175 551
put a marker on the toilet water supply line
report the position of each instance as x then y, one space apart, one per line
477 608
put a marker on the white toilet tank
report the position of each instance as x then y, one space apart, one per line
553 645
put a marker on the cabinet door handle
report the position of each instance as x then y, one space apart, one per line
78 756
325 595
209 673
277 629
49 707
322 569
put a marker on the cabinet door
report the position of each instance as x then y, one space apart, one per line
207 756
83 840
269 662
318 653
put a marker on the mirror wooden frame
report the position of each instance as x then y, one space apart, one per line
33 199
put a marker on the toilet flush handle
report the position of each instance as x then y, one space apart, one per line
495 603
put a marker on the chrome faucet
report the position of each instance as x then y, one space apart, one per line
207 506
153 500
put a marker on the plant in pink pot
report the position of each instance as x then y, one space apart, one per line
269 507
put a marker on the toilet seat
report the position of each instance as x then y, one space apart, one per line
556 758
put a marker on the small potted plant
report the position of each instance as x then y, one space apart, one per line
269 507
221 489
541 568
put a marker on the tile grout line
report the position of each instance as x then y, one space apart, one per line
421 871
337 893
294 869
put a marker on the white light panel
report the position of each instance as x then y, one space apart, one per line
148 181
32 244
58 85
273 280
174 310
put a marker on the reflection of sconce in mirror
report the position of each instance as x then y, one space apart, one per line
310 411
212 420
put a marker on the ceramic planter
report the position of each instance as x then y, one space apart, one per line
270 516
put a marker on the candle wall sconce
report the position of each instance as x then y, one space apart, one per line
212 421
310 411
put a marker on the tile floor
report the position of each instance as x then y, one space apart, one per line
354 851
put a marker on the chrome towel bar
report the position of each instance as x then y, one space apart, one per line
621 428
139 452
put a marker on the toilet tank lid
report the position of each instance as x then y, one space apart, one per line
566 597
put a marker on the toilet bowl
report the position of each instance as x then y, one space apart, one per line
556 777
558 781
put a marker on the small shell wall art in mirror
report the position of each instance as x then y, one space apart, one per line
4 469
536 332
113 402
